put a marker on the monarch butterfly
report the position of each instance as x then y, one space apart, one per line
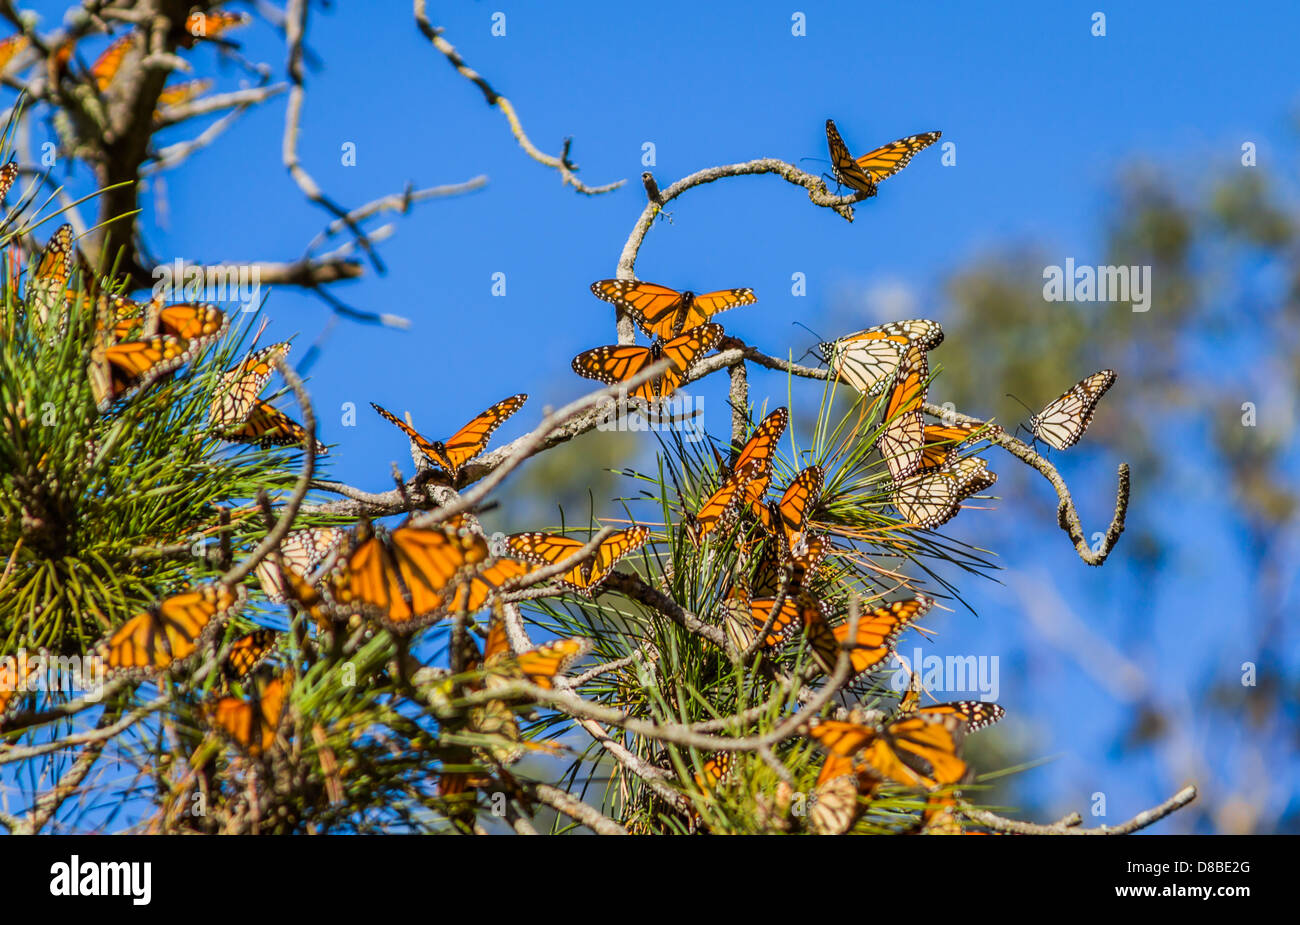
179 93
119 371
976 714
902 441
804 558
834 804
188 321
877 632
110 60
49 286
916 751
467 442
933 496
620 362
399 577
715 771
237 392
1064 420
664 312
870 358
253 725
722 507
549 549
250 651
761 447
10 47
8 174
865 172
790 514
210 26
170 632
943 440
539 666
268 426
744 618
301 551
484 584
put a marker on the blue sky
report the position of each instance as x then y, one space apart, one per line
1043 114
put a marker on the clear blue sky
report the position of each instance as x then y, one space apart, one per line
1042 113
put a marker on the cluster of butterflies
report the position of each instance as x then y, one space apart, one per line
137 344
198 26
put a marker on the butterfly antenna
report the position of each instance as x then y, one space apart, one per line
1022 404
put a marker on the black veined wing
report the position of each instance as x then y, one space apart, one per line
11 47
902 441
715 770
722 508
301 551
834 804
914 751
466 443
119 371
934 496
976 714
804 558
539 666
870 359
210 26
943 440
168 633
620 362
762 443
110 60
863 173
192 321
401 578
482 586
49 286
878 631
1064 420
664 312
8 174
268 426
790 514
239 387
253 724
551 549
745 617
250 651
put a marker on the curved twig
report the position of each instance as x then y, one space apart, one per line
567 169
1069 825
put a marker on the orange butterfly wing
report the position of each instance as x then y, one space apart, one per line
878 630
267 426
168 633
903 438
891 158
109 62
240 386
471 439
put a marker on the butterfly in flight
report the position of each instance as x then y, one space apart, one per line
450 456
620 362
869 359
168 633
663 312
586 576
1063 421
865 172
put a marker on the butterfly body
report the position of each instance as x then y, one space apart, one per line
663 312
619 362
1063 421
